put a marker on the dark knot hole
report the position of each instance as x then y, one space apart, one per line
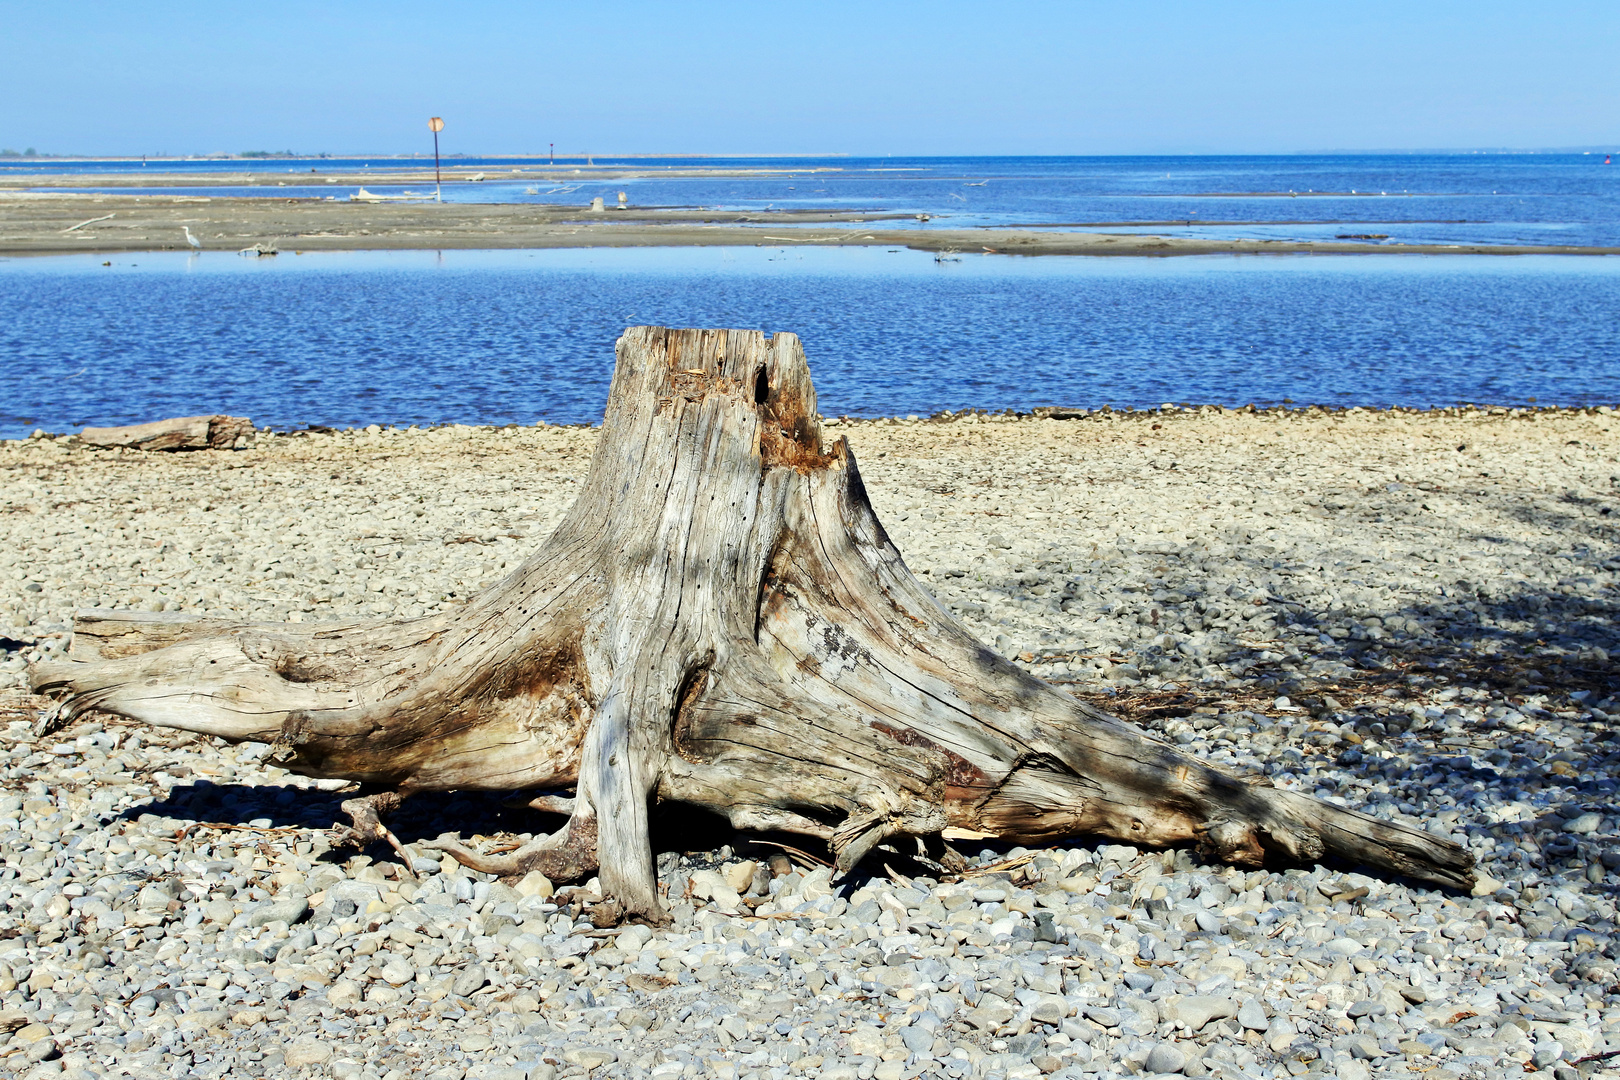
762 387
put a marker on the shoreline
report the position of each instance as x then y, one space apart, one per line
1062 414
36 223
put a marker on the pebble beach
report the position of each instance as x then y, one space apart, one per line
1411 613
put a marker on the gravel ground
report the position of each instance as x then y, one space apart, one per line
1408 612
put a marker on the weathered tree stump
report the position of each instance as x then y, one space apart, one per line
719 620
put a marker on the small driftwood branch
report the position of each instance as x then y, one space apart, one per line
92 221
181 433
720 620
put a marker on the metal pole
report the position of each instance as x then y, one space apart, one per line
436 125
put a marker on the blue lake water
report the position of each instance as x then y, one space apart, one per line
501 337
1411 198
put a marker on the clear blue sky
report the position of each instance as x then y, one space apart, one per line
939 77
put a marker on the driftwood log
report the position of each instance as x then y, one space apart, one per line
180 433
719 620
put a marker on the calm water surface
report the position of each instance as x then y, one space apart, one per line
514 336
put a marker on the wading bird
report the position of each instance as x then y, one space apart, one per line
196 244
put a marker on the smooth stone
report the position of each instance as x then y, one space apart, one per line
990 1015
1050 1011
1584 824
470 981
711 886
1364 1047
1547 1054
344 994
362 894
306 1050
219 911
1194 1011
1280 1035
42 1050
739 875
1026 1045
1103 1016
398 973
534 883
590 1057
1165 1058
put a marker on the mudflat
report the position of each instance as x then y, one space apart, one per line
59 222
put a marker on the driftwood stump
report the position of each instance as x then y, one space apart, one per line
720 620
180 433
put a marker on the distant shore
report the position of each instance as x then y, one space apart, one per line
59 223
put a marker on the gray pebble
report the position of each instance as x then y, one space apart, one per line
1584 824
286 911
1165 1058
1104 1017
43 1050
470 981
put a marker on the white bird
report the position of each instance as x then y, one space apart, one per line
196 244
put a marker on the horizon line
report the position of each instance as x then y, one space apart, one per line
12 156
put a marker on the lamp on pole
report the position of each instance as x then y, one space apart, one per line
436 125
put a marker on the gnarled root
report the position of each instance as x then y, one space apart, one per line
569 854
548 804
365 813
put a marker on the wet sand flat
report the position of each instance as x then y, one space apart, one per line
56 223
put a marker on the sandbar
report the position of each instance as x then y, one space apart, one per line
59 222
